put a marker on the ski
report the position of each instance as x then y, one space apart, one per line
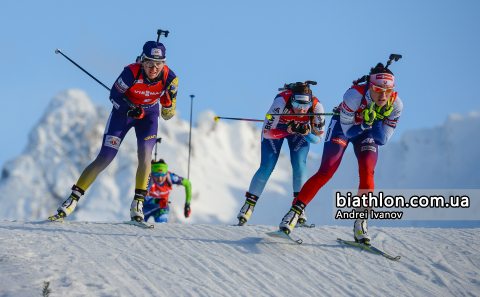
281 234
370 248
139 224
305 225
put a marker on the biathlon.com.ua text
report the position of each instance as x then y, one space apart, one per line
367 202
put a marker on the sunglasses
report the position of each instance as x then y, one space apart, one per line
381 90
151 64
159 174
301 106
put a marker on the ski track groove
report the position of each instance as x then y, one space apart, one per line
97 273
157 264
429 254
152 289
420 271
226 266
396 273
179 260
458 252
128 253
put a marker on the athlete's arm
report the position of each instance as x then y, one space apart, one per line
277 107
177 180
383 130
318 127
121 85
188 190
171 86
351 102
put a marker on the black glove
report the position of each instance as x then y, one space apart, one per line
187 210
301 128
135 113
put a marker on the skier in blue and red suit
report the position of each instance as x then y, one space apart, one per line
368 117
299 131
135 96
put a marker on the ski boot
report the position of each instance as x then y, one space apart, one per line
290 219
247 209
69 205
136 209
360 231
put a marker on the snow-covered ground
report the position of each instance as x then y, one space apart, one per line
114 259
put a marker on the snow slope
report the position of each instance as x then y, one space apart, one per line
225 156
114 259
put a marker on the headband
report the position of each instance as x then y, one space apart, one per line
382 79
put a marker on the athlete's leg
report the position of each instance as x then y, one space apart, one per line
270 152
146 131
335 144
162 215
116 129
333 149
299 148
366 151
150 210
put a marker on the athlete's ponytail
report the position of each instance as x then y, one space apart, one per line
380 69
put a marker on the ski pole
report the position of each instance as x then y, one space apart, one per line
269 115
58 51
129 103
237 119
190 135
159 140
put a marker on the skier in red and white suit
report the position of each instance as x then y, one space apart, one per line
368 117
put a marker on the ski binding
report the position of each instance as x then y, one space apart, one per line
370 248
302 224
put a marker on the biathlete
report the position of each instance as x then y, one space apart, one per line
135 96
302 130
159 188
368 116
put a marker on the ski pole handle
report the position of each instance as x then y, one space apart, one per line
269 115
237 119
